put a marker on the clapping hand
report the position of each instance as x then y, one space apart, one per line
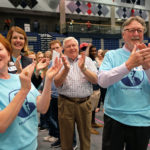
65 63
136 59
145 51
18 64
54 69
81 61
42 64
25 77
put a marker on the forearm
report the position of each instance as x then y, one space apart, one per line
8 115
90 76
43 101
60 78
107 78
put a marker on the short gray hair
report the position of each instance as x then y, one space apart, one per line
136 18
68 39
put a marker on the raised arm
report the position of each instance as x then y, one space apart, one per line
60 77
90 76
43 101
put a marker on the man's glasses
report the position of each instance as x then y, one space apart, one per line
133 30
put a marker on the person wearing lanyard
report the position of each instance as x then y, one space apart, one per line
20 101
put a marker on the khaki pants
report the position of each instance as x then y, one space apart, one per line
95 98
69 113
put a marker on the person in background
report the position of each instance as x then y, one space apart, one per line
52 114
96 91
19 43
91 52
127 106
88 24
31 54
7 23
44 118
99 59
71 24
48 55
74 84
20 101
100 56
39 56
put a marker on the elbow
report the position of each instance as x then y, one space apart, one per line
2 129
102 84
43 112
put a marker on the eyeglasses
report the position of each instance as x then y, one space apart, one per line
133 30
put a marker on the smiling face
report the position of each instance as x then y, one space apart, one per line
71 49
133 34
17 41
4 58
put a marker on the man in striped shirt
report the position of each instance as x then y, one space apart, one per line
74 84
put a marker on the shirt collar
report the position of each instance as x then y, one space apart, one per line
126 48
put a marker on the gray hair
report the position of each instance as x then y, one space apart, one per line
68 39
136 18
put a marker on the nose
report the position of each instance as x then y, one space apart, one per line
136 32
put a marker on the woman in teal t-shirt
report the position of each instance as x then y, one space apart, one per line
20 101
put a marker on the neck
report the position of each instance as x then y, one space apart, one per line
16 53
129 47
4 75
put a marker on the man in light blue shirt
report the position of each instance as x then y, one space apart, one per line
125 73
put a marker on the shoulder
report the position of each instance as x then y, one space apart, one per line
114 52
25 58
88 59
25 61
14 76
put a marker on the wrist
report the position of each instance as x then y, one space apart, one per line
25 91
84 69
129 66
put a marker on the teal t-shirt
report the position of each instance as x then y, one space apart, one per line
22 133
128 100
